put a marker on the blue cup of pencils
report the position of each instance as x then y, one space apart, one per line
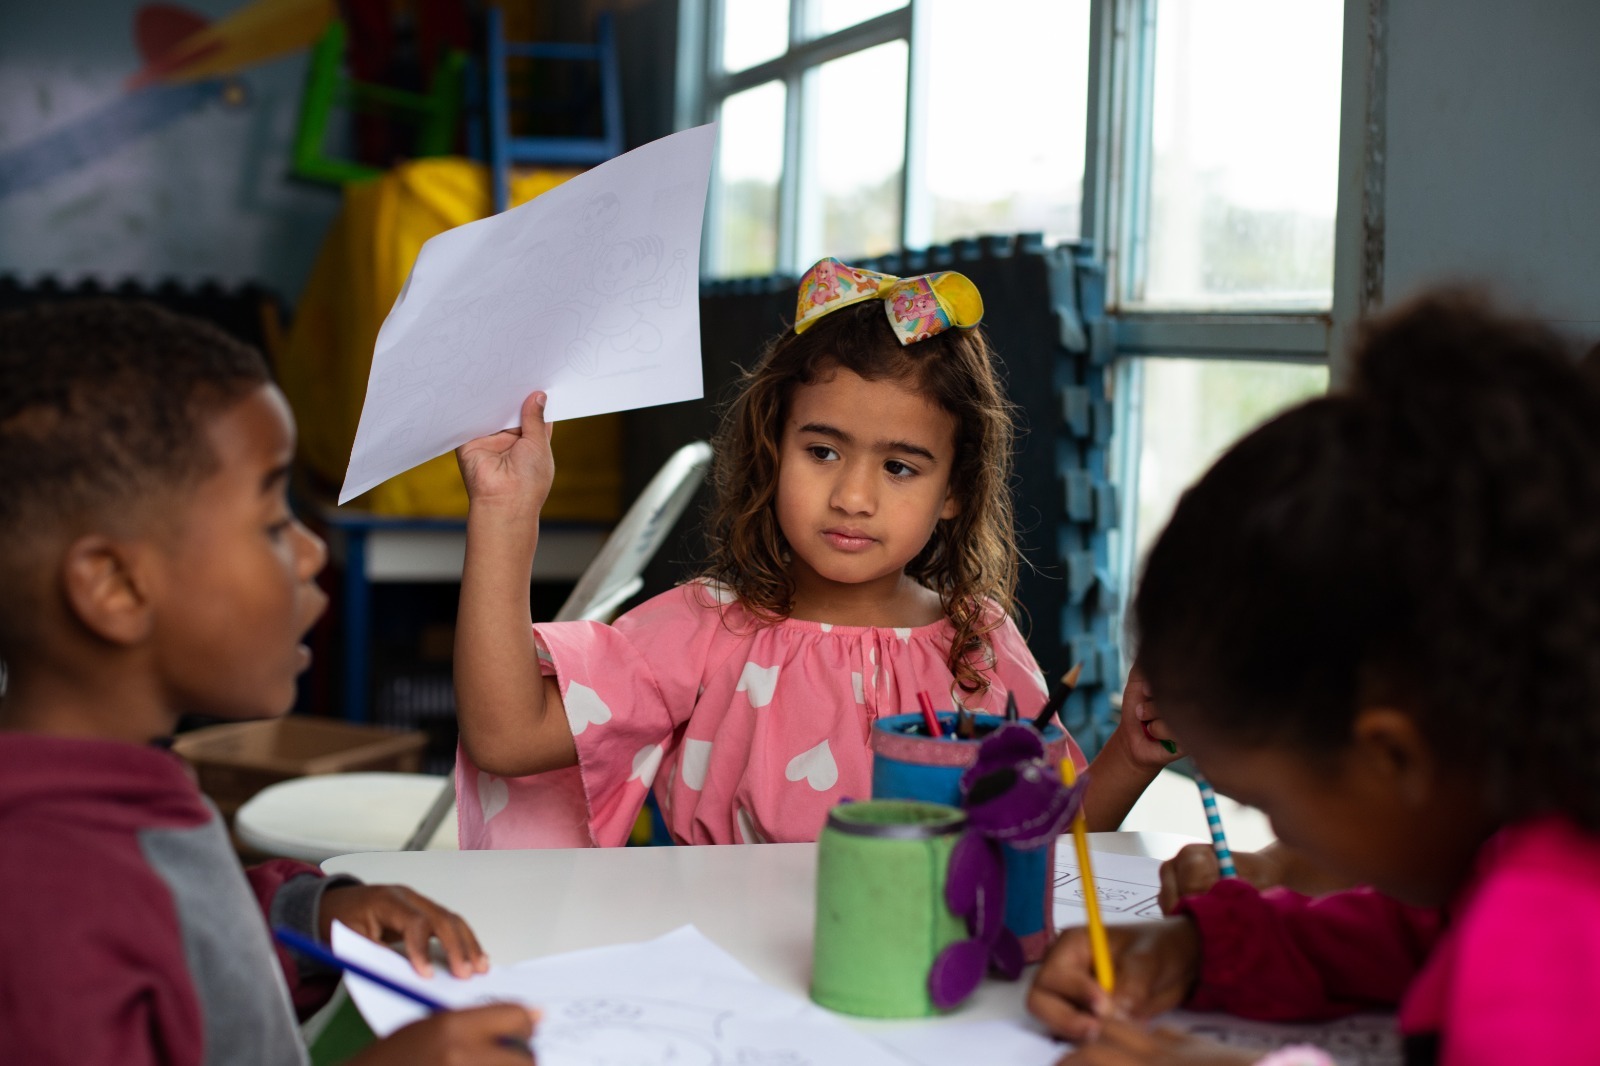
910 763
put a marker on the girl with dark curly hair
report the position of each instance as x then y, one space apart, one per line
861 551
1377 618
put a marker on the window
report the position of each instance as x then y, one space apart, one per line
857 127
1184 413
1244 144
1219 173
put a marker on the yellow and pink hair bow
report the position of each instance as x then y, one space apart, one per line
918 307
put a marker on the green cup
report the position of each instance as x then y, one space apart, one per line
881 912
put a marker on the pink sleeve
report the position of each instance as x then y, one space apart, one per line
1280 956
628 689
1526 977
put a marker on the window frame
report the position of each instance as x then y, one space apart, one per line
1116 206
705 85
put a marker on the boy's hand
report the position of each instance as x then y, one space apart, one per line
1156 964
496 1035
390 912
512 466
1125 1043
1142 727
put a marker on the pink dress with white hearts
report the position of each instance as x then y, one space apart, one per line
748 733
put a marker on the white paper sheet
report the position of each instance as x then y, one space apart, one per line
678 1000
589 292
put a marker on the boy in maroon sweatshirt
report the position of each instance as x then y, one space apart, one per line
150 567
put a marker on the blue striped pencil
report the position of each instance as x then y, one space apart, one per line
1214 822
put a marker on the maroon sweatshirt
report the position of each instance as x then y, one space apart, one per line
129 934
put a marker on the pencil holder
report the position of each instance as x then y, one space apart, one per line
909 764
882 918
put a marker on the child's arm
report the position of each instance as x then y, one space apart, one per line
1194 870
1130 760
512 718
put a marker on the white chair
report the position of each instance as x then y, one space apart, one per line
316 817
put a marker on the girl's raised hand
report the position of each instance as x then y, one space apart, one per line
1156 964
1125 1043
513 466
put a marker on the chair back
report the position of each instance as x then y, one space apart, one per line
617 572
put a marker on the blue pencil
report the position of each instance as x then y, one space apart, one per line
1214 821
311 949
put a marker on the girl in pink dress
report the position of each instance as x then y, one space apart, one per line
1376 618
862 551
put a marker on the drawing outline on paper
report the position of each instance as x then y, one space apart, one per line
1114 895
606 1007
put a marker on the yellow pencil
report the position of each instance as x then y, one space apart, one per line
1098 945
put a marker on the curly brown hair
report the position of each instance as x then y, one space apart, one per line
971 560
1428 537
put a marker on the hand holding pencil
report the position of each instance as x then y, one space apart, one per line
1156 965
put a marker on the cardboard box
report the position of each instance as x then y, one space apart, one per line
236 760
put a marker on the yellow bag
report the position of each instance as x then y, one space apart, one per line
357 276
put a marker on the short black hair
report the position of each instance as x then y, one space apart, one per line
1428 537
103 402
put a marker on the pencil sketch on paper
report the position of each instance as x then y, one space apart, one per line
605 1006
1115 896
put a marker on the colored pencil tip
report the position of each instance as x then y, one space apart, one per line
1172 749
1070 678
1012 714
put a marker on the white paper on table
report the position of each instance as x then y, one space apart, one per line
678 1000
589 292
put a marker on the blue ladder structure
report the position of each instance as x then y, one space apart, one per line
504 149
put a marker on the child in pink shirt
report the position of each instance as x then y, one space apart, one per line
1375 619
862 551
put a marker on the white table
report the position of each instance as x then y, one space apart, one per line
755 900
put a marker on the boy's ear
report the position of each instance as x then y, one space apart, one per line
106 588
1392 754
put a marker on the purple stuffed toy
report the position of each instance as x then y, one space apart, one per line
1013 795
